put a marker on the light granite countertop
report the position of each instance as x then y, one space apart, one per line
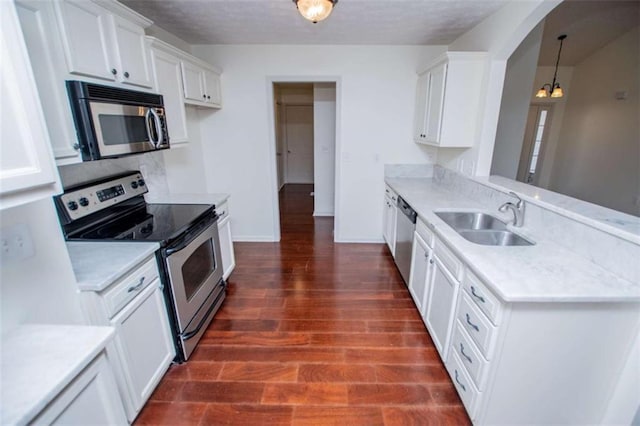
186 198
98 264
544 272
39 361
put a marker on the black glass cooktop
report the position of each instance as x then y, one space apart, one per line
149 222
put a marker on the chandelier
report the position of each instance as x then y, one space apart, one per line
554 88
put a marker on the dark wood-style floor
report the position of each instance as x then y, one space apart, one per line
314 333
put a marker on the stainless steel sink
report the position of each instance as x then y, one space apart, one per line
482 228
494 238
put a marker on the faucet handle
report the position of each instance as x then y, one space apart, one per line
519 203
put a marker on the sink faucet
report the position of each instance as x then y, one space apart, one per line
517 209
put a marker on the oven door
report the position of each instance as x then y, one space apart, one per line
126 129
195 269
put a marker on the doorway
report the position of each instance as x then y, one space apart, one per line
535 138
305 142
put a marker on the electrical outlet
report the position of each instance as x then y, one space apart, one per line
15 243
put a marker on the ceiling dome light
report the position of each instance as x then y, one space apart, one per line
315 10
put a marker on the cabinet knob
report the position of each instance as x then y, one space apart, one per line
204 96
126 74
431 261
76 146
114 71
208 97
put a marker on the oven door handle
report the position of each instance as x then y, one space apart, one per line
190 236
189 335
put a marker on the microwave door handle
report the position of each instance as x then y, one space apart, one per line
147 122
158 127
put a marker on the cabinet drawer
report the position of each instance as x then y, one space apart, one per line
123 291
448 259
470 356
469 394
477 325
423 229
483 298
390 193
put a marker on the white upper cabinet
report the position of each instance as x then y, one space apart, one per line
168 82
447 100
133 56
27 171
85 37
101 44
201 84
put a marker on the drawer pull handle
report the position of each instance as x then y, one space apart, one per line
472 324
465 355
477 296
458 381
137 286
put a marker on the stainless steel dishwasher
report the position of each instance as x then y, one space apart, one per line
405 225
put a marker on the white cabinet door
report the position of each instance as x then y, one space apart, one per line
440 308
27 171
193 82
435 99
419 132
212 87
168 82
85 29
132 54
144 343
38 22
91 398
390 213
226 246
420 271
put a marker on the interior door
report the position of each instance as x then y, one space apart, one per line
299 143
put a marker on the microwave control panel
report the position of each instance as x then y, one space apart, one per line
84 201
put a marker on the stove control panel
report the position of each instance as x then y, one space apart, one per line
83 201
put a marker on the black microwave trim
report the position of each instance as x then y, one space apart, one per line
81 93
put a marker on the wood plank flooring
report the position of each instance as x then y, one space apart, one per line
311 333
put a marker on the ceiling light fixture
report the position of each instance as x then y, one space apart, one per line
315 10
554 88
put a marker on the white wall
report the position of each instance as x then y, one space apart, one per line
40 289
598 154
375 98
324 139
499 35
518 84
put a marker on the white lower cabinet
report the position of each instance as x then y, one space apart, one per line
389 217
440 309
90 399
226 243
520 362
421 258
144 347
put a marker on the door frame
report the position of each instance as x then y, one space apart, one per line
273 166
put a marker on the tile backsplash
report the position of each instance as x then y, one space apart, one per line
151 165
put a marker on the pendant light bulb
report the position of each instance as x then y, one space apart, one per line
315 10
557 92
542 93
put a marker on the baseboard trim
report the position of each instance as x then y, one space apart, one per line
254 239
358 241
324 214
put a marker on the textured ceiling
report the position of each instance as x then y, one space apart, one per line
589 25
352 21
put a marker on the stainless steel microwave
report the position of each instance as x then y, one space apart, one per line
112 122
